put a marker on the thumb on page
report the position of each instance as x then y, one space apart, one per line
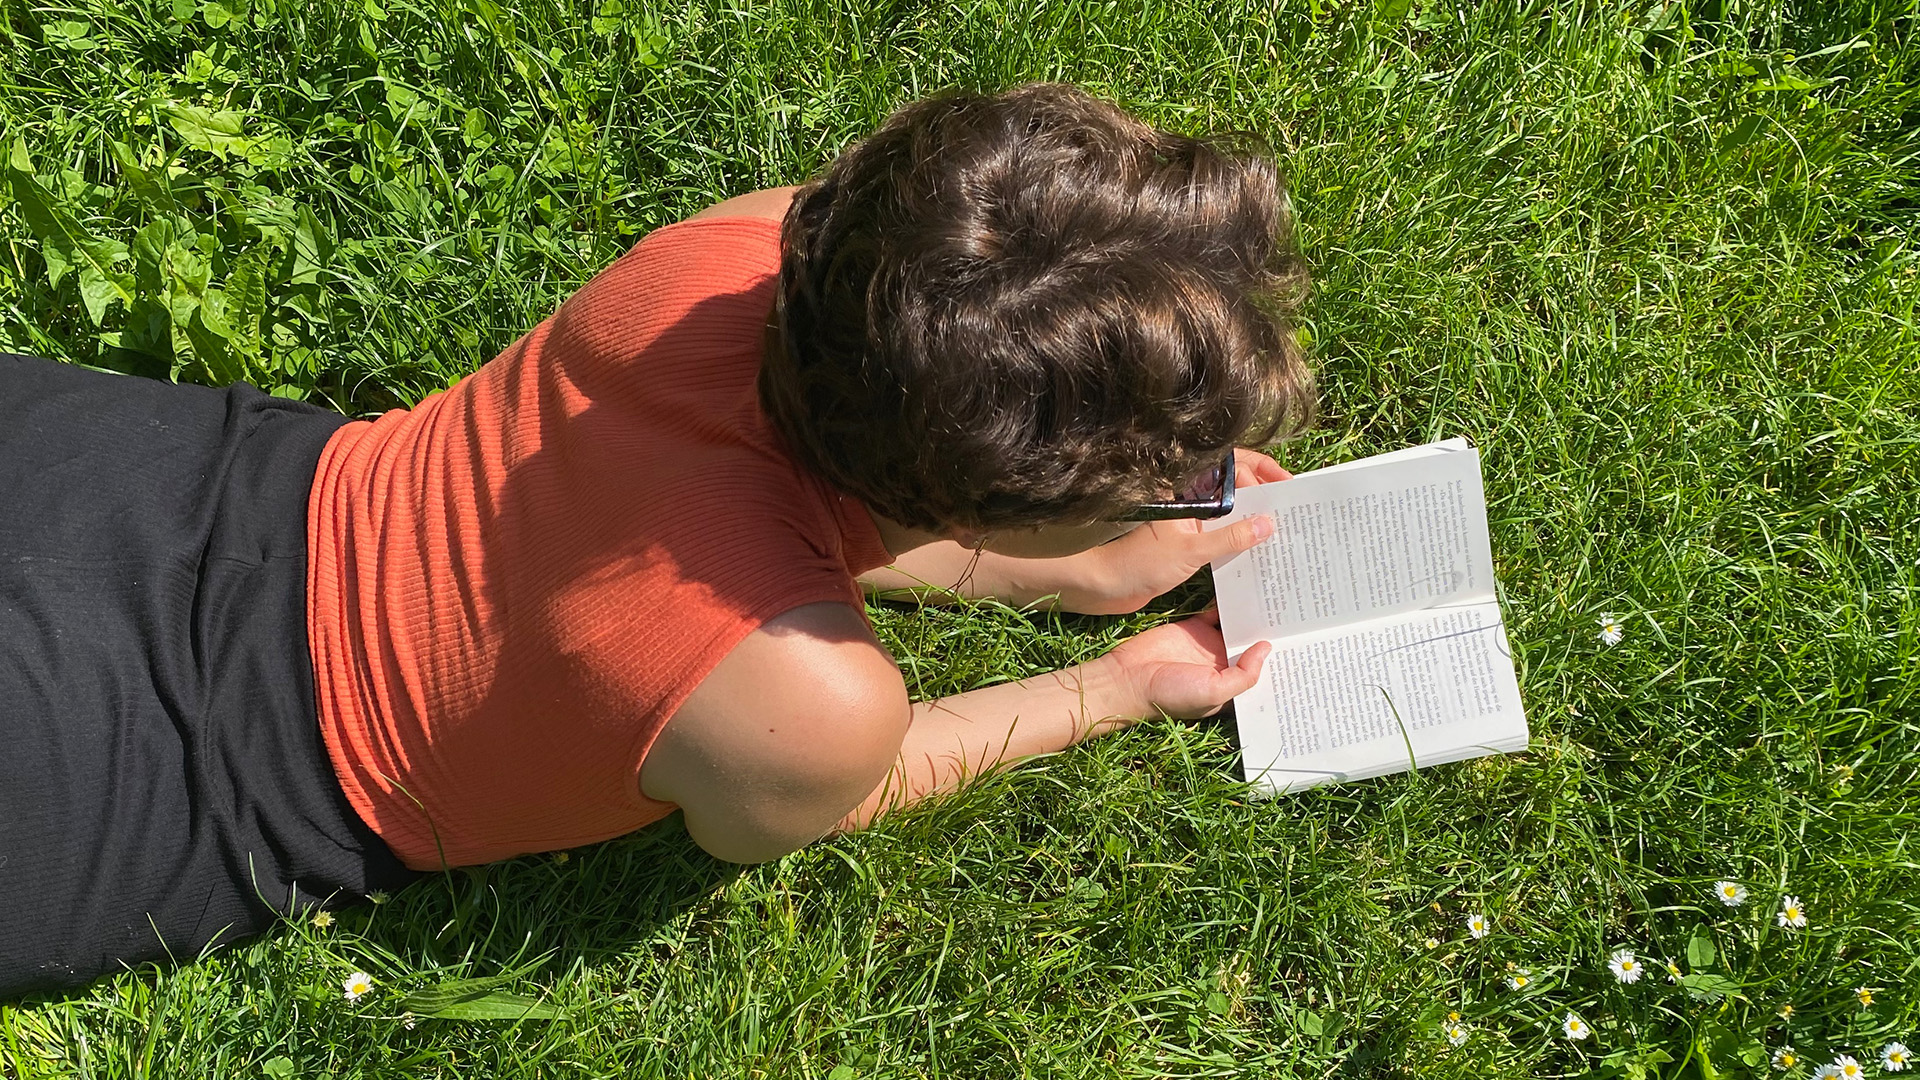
1235 538
1241 676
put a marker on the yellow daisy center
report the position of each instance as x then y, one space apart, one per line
1787 1060
1793 913
1626 965
1519 980
1453 1018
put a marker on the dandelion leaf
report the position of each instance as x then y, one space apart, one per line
477 999
64 244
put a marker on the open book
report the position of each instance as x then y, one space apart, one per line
1377 593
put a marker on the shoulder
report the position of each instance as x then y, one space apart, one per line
709 279
768 203
790 731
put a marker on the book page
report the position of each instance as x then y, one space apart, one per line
1350 702
1371 539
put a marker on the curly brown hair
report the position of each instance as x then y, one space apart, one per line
1032 308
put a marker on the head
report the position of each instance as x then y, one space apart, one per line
1032 309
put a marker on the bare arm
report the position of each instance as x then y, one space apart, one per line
1113 578
1179 669
944 571
806 723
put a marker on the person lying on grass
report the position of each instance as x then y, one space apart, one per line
618 570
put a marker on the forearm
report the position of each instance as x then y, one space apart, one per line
945 571
955 739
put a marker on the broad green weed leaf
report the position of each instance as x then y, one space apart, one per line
43 220
216 132
246 294
1785 81
1700 950
477 999
610 18
309 250
69 34
100 285
650 44
1742 133
213 313
1706 984
64 244
142 183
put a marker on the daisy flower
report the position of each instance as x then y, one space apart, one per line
1865 994
1673 972
1610 629
1784 1058
1846 1068
1575 1028
1786 1011
322 919
1792 914
1893 1057
1520 979
1623 965
1731 893
1826 1072
1456 1034
1477 925
1431 943
356 985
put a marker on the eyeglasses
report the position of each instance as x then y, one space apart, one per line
1209 496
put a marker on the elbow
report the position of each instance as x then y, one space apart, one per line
820 785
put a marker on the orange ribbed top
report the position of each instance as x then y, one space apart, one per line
514 584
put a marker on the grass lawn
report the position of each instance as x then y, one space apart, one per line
1658 259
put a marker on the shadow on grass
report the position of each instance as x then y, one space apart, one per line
587 905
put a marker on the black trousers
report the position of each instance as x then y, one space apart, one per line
163 784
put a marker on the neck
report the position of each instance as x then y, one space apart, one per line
900 539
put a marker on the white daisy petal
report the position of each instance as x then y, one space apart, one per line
1792 914
1625 967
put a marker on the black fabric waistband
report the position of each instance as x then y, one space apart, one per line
163 783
